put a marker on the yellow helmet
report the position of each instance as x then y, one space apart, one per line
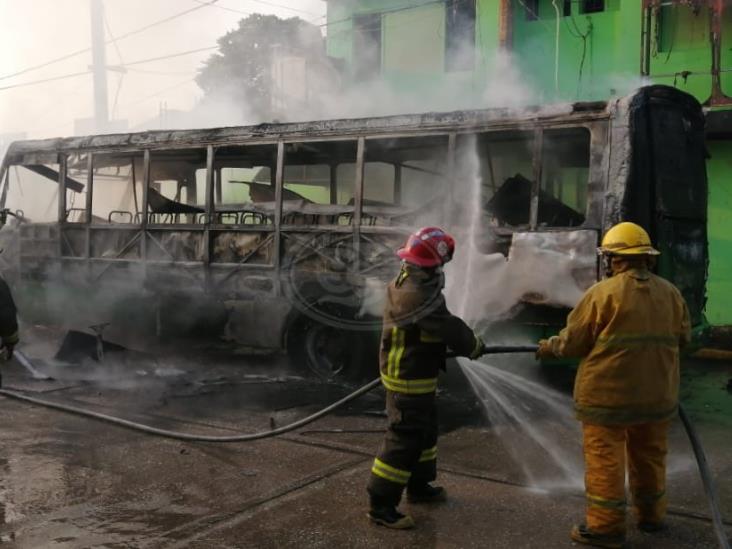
627 239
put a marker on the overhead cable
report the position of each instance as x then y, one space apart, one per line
52 79
272 4
121 37
169 56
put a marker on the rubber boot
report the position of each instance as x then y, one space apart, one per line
581 534
426 493
391 518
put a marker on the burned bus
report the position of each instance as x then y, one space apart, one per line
281 236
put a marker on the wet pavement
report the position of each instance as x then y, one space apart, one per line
68 481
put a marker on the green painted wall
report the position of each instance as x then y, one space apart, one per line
719 285
681 43
581 57
599 55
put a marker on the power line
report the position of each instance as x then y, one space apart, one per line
138 62
165 20
56 60
378 24
121 37
170 18
169 56
209 48
121 76
162 73
113 39
198 50
52 79
271 4
392 10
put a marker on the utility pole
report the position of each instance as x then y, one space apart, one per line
99 66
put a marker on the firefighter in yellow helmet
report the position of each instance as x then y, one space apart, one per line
628 330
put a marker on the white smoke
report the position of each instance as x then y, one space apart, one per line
310 89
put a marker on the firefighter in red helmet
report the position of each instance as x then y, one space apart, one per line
417 331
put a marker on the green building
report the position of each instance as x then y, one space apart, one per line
452 54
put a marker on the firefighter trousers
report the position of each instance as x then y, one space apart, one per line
606 449
408 454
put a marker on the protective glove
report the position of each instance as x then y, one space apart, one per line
479 349
545 350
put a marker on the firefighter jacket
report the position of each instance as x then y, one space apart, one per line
8 316
629 329
418 328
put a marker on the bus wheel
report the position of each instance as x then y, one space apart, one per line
331 353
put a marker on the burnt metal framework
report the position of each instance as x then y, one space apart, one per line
311 246
716 13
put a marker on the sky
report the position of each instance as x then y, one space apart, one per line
33 32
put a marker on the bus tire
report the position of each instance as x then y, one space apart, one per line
331 353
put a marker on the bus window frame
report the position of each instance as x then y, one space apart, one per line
333 177
598 130
597 127
450 140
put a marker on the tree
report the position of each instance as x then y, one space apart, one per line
241 70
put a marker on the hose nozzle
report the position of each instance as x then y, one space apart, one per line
501 349
506 349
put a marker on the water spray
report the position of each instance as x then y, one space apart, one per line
28 365
699 454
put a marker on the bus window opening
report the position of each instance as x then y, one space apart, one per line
565 169
314 190
244 185
117 188
32 192
177 187
404 180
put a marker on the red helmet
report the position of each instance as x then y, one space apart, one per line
428 247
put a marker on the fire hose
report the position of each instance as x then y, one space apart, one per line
707 481
176 435
704 471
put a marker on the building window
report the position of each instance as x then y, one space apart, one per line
592 6
460 35
366 46
531 8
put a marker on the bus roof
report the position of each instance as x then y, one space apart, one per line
348 127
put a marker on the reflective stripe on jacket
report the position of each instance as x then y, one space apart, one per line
418 328
629 329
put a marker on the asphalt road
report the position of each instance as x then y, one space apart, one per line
67 481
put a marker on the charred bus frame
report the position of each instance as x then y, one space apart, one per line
240 254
